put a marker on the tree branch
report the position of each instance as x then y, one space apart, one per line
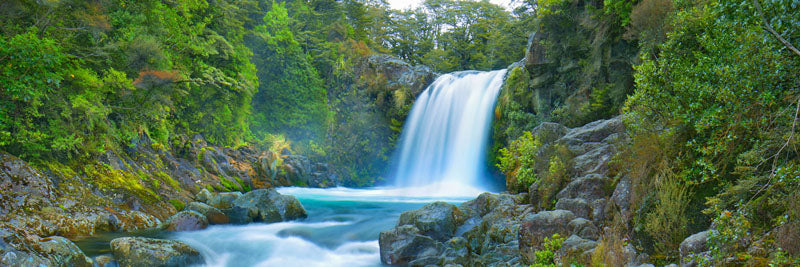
772 31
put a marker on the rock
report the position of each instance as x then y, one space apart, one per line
63 252
693 245
404 244
594 160
486 203
238 215
574 248
437 220
549 132
622 195
536 227
577 206
187 220
214 215
22 186
596 131
584 228
104 261
267 205
224 200
589 187
457 251
204 196
598 210
141 251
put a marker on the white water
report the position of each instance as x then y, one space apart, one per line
443 143
341 230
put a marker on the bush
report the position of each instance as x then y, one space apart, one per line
518 162
546 257
667 223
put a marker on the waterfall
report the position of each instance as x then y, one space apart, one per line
443 143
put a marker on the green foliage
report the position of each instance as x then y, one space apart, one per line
667 222
291 91
720 97
518 161
546 257
620 8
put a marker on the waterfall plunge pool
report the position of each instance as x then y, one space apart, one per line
342 229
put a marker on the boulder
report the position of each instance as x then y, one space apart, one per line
589 187
596 131
187 220
575 247
146 252
214 215
224 200
536 227
404 244
486 203
267 205
63 252
577 206
437 220
584 228
204 196
695 244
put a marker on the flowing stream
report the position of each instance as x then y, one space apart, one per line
441 157
341 230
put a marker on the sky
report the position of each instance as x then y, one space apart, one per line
405 4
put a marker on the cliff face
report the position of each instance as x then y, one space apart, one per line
371 106
577 69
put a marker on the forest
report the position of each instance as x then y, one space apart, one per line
708 90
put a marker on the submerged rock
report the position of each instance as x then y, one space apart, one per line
187 220
149 252
267 205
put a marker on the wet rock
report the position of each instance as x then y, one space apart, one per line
437 220
267 205
187 220
404 244
140 251
536 227
63 252
105 261
224 200
214 215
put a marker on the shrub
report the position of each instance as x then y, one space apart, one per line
546 257
517 162
667 223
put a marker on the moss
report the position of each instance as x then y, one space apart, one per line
169 180
228 185
178 204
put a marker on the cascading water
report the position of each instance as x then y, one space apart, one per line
443 143
441 158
